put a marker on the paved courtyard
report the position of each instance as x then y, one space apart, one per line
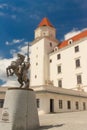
64 121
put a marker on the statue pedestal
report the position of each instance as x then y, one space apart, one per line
20 111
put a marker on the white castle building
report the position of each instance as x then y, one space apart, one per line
59 64
58 70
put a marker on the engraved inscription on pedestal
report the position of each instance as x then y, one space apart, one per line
5 116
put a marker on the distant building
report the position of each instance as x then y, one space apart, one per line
58 69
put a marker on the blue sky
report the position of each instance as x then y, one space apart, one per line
19 19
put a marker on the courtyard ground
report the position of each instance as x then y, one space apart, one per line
64 121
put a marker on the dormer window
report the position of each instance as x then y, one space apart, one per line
70 41
56 49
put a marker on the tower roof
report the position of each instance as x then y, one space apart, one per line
45 22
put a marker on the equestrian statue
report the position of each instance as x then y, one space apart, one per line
20 68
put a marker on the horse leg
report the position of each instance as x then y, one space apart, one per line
11 72
20 81
27 84
7 71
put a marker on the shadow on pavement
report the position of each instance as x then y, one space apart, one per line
50 126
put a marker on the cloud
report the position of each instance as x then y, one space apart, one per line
73 32
6 15
17 41
8 81
2 14
4 63
3 5
13 52
7 11
14 41
13 16
24 49
11 83
0 57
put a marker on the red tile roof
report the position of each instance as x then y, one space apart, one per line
74 38
45 22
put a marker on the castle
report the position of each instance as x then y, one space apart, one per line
62 64
58 70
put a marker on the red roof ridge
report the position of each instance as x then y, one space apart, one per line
74 38
45 22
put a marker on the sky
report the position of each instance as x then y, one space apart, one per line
19 19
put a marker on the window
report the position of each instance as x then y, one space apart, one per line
44 34
70 41
77 49
35 76
58 56
36 63
59 69
84 106
60 104
50 60
77 63
50 44
68 105
1 103
79 79
38 103
77 105
60 83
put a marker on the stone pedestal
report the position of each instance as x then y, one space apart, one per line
20 111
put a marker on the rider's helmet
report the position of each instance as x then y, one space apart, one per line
21 56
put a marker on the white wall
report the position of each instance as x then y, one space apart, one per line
45 102
67 61
47 49
39 54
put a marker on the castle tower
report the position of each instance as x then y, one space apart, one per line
45 28
44 43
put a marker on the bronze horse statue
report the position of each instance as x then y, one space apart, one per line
20 69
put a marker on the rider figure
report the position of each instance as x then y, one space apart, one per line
20 61
20 58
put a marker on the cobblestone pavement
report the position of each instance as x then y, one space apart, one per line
64 121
